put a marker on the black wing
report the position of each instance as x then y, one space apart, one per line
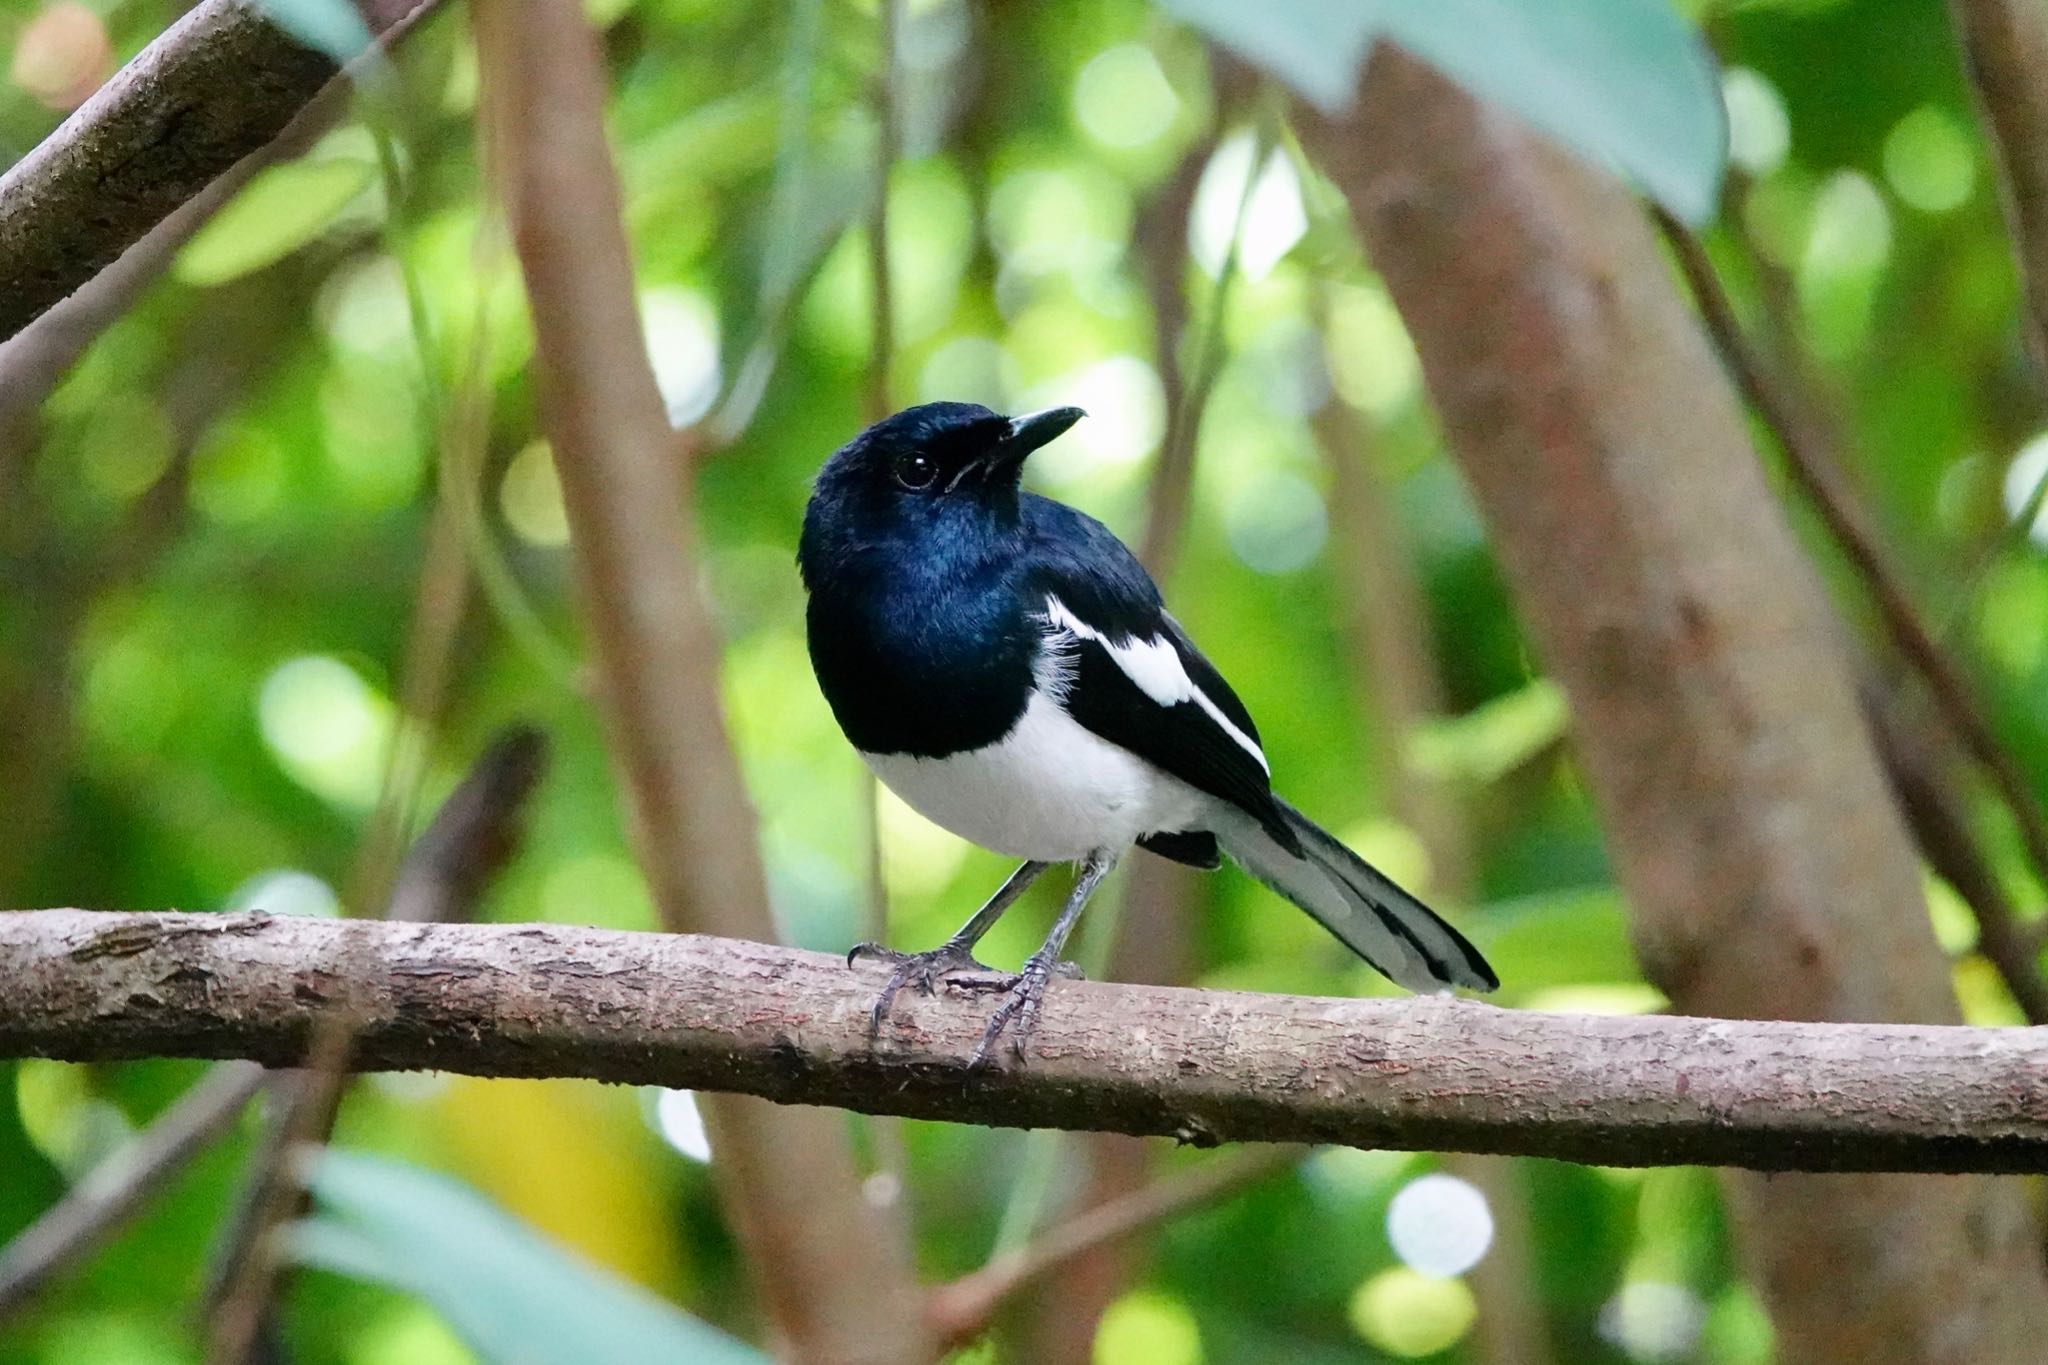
1130 673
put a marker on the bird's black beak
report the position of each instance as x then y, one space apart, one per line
1028 433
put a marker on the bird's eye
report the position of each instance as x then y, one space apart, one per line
916 472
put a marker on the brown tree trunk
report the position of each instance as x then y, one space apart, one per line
1767 870
835 1279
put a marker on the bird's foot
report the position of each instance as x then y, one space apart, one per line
1026 997
924 970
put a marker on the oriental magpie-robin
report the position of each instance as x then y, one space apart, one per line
1005 665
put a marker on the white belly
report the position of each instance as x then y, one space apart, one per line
1051 790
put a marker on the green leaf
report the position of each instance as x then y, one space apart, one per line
1626 83
513 1296
1558 938
1492 740
1316 46
332 27
277 213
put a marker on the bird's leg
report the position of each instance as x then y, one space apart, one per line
956 954
1027 993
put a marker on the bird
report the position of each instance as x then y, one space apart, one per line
1006 666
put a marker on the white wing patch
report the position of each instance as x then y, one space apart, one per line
1154 665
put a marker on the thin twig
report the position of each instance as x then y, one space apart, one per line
2005 60
1818 474
1173 480
1161 240
118 1187
1941 827
881 359
1397 667
1156 899
888 146
962 1310
243 1298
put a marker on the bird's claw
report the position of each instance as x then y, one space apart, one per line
1026 998
924 970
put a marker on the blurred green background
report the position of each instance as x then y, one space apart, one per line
212 537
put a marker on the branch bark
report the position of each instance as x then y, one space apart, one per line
835 1278
1203 1066
215 87
1766 868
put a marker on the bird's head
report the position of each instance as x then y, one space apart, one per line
936 454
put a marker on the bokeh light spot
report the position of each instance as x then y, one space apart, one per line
1929 160
530 496
1653 1321
1126 417
1122 98
681 330
286 891
1439 1225
1759 132
327 728
1274 217
681 1124
61 56
1149 1328
1409 1314
2028 469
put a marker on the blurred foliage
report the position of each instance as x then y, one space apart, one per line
212 538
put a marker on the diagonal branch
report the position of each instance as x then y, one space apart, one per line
1203 1066
117 1188
1818 472
214 88
962 1310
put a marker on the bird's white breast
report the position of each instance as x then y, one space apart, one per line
1050 789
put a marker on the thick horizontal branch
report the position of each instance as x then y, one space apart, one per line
1203 1066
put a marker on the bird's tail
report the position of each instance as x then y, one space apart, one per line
1402 938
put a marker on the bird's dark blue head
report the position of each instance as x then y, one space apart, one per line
935 476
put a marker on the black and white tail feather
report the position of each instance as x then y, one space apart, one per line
1397 934
1117 662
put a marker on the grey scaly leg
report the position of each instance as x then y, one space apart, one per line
956 954
1027 994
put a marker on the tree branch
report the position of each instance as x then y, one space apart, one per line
1203 1066
214 88
117 1188
962 1310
